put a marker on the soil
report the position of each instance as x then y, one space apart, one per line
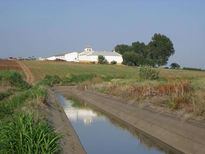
29 75
9 65
186 136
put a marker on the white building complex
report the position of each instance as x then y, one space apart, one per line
88 56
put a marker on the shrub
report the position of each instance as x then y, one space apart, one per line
52 80
113 62
4 95
74 78
25 135
175 66
14 78
8 106
148 73
102 60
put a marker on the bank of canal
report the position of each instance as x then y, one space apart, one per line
101 134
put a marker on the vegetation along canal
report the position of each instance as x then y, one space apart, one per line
101 134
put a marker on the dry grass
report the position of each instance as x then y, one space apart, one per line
176 95
182 89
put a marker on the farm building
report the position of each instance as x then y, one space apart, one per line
88 56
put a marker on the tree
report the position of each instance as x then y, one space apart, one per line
122 48
139 48
160 48
113 62
132 59
175 66
102 60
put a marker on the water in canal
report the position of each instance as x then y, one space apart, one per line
100 134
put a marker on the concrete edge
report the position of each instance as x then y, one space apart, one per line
70 142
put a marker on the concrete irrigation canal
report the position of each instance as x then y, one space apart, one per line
107 125
99 134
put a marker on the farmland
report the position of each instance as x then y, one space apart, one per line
40 68
175 90
179 92
9 65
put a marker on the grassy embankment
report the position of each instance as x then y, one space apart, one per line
174 90
23 126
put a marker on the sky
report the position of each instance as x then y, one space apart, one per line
46 27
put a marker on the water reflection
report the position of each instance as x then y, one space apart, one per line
81 114
100 134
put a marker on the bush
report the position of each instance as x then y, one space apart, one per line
52 80
175 66
102 60
148 73
14 78
25 135
113 62
74 78
4 95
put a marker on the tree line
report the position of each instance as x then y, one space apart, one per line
155 53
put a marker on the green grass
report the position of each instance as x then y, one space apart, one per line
25 135
62 69
13 78
23 128
76 103
121 79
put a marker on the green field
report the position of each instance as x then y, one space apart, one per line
174 90
40 68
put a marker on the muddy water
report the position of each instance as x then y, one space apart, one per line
100 134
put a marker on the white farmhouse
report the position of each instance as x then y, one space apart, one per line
88 56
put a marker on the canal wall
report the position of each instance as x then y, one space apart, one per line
70 142
184 136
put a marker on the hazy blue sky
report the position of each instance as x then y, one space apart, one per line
47 27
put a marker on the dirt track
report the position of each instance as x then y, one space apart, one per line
29 75
185 136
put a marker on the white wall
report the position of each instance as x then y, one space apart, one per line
88 58
72 57
51 58
118 59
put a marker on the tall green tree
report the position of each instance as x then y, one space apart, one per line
122 48
160 48
139 47
132 59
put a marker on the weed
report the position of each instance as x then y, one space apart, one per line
25 135
148 73
76 102
13 78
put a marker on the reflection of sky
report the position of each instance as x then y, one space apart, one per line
85 115
99 136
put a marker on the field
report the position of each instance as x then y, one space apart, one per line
175 90
9 65
40 68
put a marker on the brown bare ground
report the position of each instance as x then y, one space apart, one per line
9 65
29 75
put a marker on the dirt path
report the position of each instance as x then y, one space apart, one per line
29 75
185 136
